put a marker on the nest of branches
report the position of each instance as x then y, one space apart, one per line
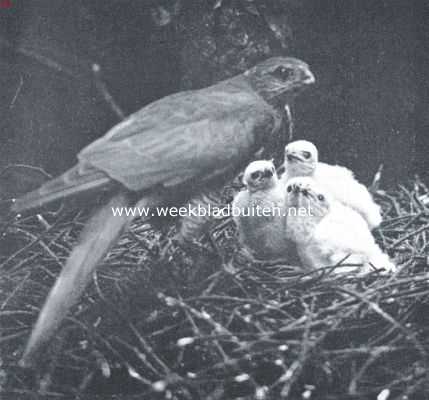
207 324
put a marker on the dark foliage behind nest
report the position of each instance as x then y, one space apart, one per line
207 326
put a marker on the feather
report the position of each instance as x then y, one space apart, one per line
264 236
330 232
177 145
99 235
301 159
81 178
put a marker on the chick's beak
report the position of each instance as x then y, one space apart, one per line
268 173
292 156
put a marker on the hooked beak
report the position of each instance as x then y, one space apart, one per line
268 173
295 189
309 78
292 157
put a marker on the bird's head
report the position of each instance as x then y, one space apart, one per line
304 192
279 79
260 175
301 158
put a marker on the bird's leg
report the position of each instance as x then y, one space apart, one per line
243 256
192 227
212 240
204 211
211 233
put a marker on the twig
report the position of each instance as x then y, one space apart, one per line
18 89
40 58
409 235
102 89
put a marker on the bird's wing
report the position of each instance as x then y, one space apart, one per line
193 135
333 174
342 184
241 201
344 230
190 135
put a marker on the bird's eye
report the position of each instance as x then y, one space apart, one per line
255 175
289 189
321 197
306 154
283 73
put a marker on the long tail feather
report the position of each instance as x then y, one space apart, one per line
81 178
99 235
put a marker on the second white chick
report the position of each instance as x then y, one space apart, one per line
330 232
263 235
302 159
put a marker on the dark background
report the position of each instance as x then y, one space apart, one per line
369 107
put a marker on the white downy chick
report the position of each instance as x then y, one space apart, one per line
263 235
330 232
301 159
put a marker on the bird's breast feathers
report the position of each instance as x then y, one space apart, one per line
300 229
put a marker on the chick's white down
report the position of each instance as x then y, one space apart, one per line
263 235
330 232
301 159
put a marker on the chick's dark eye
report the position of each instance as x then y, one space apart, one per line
283 73
306 154
289 189
255 175
321 197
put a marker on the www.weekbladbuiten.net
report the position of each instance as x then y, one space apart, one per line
214 211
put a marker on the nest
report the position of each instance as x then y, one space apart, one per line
207 325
